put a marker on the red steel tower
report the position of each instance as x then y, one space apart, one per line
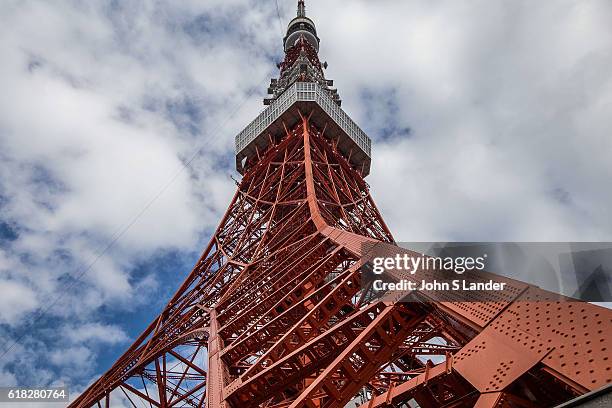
275 314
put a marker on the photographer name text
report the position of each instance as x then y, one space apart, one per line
456 284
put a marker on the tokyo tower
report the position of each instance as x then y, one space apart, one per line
275 313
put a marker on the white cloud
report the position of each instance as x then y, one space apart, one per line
508 106
76 357
15 301
96 332
93 119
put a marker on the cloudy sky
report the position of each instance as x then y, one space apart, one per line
490 120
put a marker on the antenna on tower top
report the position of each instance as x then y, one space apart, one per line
301 10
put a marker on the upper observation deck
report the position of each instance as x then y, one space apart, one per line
306 97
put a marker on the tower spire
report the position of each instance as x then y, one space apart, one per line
301 62
301 9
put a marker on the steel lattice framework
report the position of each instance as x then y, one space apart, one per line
275 314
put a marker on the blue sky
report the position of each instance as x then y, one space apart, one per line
490 121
